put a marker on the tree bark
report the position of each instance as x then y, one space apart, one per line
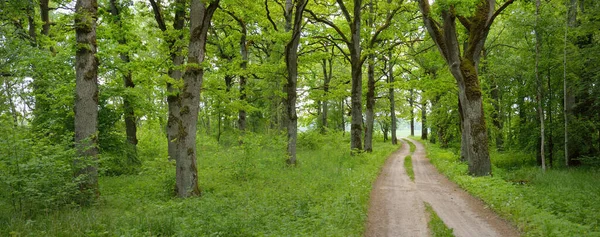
129 114
184 104
86 99
424 132
177 60
411 105
392 99
464 69
327 72
291 61
370 103
356 66
538 39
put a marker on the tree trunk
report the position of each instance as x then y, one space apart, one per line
424 132
370 104
411 105
291 61
183 113
86 99
177 60
551 123
327 72
356 91
129 115
474 127
464 69
538 39
392 99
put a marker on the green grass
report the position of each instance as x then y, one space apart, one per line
246 191
437 227
409 167
412 145
561 202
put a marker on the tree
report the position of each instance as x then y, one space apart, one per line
356 60
291 62
540 110
129 114
464 69
86 97
184 92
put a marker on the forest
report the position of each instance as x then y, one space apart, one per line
275 117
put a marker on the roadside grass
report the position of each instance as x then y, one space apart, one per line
437 227
412 145
247 190
409 167
559 202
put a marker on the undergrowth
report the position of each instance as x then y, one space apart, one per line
247 190
560 202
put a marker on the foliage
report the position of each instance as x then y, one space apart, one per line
245 191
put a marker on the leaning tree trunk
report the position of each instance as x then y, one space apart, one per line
86 99
291 61
370 104
183 119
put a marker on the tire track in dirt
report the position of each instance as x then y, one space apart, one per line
397 203
395 208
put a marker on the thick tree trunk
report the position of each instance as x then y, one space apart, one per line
291 61
356 127
183 117
86 98
370 104
474 127
392 99
129 115
464 69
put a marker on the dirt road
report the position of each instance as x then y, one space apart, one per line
397 203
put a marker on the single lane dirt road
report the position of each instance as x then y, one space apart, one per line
397 209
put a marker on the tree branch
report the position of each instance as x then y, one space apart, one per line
330 24
269 15
504 6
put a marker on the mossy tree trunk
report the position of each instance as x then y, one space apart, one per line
464 69
86 99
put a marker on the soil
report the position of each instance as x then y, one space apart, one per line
397 203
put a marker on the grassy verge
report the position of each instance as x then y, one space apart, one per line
437 227
555 203
412 145
409 167
247 190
